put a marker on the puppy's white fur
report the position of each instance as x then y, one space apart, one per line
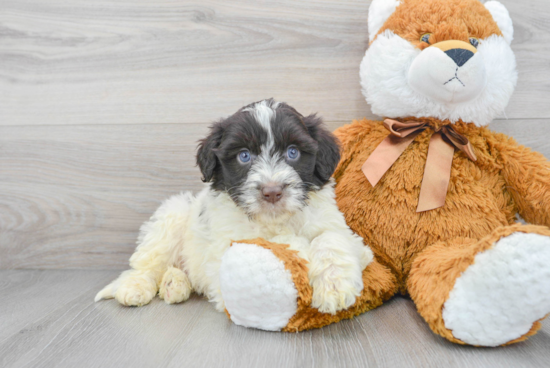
192 233
181 247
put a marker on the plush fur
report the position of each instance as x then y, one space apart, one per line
251 301
180 248
475 275
480 312
397 59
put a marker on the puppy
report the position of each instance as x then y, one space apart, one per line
268 173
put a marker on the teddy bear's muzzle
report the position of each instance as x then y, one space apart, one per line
449 72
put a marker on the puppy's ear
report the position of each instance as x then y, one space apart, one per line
328 154
206 156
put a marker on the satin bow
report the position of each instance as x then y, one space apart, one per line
437 172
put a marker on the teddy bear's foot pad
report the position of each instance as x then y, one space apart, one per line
499 297
257 289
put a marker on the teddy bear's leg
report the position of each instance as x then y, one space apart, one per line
262 284
265 285
485 292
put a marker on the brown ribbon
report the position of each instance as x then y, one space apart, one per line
437 172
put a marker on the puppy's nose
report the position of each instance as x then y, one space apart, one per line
272 193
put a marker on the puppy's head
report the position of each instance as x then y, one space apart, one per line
268 157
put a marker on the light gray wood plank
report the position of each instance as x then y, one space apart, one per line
530 133
532 48
54 322
176 62
75 196
63 187
31 295
128 62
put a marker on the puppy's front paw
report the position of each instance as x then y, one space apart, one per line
175 286
333 295
136 291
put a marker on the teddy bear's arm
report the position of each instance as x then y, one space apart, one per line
527 174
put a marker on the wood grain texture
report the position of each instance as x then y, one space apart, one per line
48 319
129 62
134 62
75 196
101 105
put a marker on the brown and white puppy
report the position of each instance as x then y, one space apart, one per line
268 173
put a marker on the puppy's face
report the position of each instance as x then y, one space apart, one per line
268 158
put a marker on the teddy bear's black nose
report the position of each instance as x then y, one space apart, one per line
459 56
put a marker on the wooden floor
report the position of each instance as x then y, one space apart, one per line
49 319
101 105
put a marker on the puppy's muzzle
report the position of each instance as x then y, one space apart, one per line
272 193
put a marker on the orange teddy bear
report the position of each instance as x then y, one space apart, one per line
431 190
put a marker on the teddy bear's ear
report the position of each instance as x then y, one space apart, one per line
502 17
379 12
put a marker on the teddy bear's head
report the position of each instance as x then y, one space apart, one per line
447 59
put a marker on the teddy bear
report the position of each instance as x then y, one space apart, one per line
433 192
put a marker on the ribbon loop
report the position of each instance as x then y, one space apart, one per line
402 130
437 172
459 141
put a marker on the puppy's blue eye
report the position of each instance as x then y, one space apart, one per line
474 41
244 156
292 153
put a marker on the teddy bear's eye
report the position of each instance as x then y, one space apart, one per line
474 41
425 38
